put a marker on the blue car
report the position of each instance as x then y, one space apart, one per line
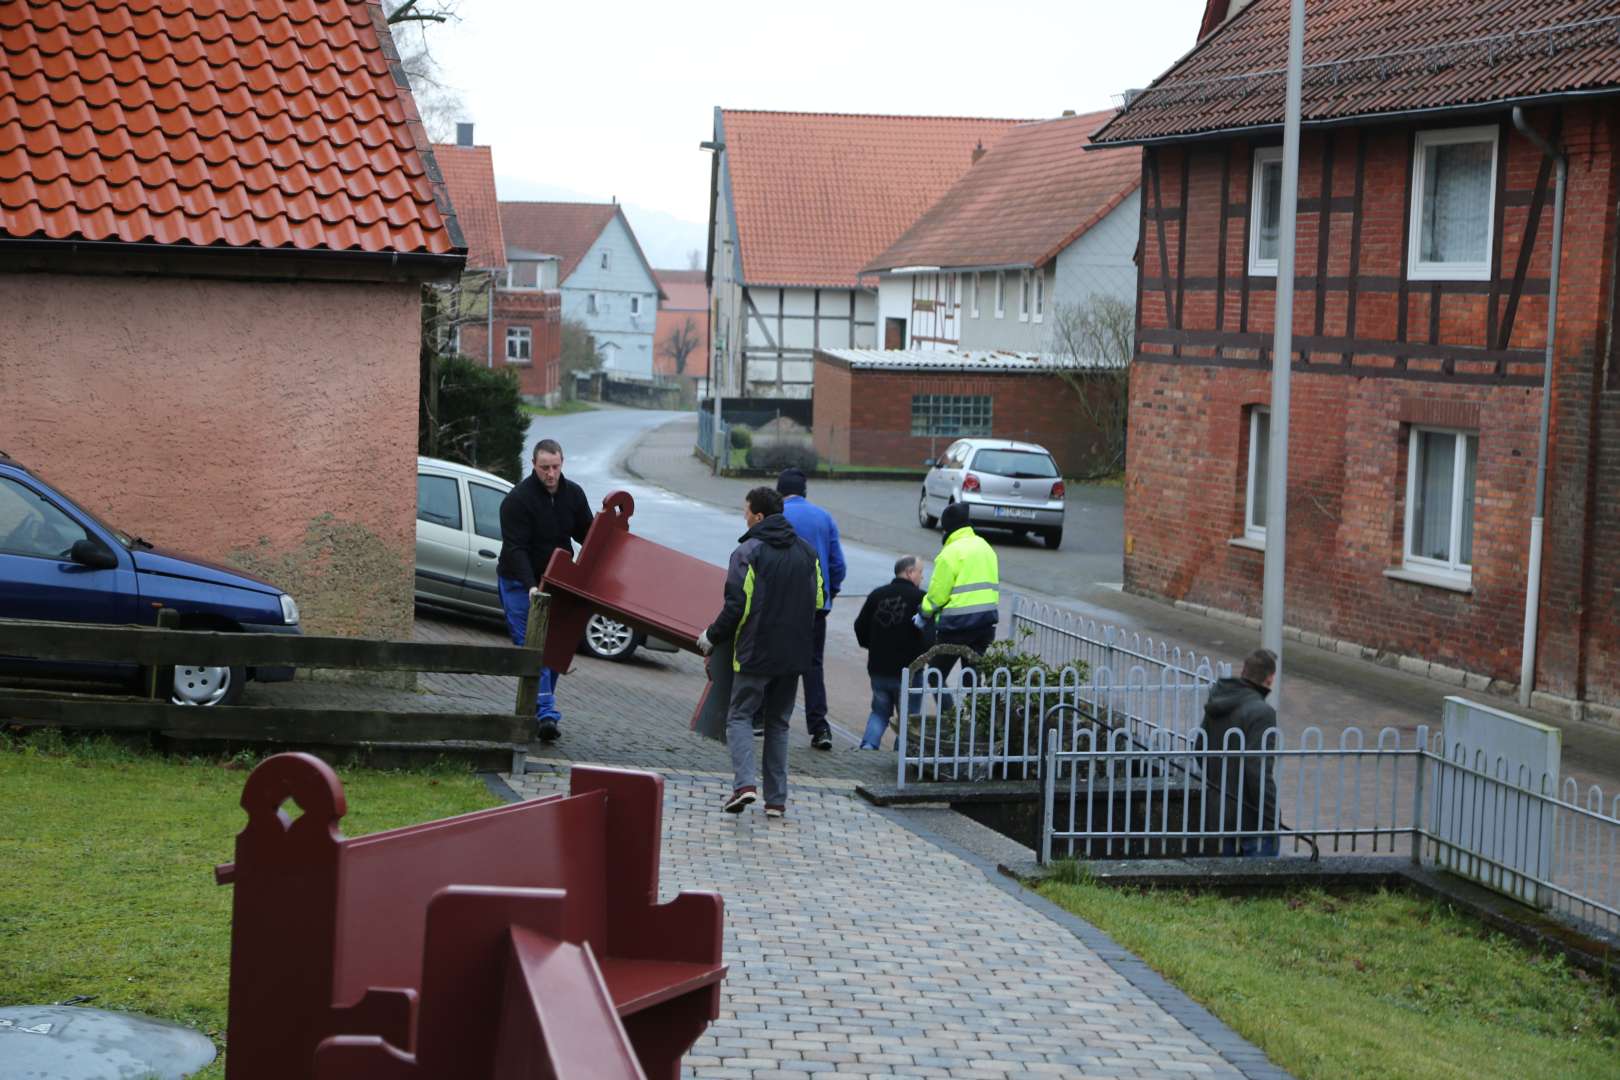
60 562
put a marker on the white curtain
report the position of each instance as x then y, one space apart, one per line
1456 202
1436 473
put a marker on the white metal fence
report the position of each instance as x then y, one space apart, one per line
1060 636
1112 794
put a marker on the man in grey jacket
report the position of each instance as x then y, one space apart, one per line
1241 792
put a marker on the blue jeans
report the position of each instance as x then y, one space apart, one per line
885 700
515 602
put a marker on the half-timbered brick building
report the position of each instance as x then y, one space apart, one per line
1420 328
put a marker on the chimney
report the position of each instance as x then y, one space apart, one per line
978 152
1068 112
464 135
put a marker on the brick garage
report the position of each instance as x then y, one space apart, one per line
863 405
1381 352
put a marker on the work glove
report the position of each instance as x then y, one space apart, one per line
919 622
704 645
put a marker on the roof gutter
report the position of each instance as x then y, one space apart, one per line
450 263
1532 591
1347 121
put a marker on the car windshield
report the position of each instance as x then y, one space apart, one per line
118 534
1018 464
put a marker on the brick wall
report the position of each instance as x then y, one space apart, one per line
863 417
1378 353
541 312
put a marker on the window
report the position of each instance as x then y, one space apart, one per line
518 342
1265 211
486 507
1001 293
1040 294
1454 195
978 287
30 524
1254 500
1440 502
635 305
1023 296
607 258
523 274
1018 464
437 501
591 307
950 414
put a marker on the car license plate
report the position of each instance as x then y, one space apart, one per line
1014 512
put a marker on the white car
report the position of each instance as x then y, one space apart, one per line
458 542
1004 484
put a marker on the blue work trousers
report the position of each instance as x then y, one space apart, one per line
515 602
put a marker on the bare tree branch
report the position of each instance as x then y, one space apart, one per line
680 344
406 12
1097 339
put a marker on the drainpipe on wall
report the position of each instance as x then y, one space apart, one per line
489 323
1532 591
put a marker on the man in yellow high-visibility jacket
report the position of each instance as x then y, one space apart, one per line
964 595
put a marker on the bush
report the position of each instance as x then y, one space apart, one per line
480 419
777 456
741 437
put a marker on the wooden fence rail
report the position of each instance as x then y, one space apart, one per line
158 647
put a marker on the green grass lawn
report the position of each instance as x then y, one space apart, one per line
106 871
566 408
1365 986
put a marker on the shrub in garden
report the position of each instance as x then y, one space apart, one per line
741 437
777 456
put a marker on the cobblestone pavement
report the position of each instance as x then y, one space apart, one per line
859 948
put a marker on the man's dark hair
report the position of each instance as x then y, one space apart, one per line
904 563
764 500
1259 666
550 446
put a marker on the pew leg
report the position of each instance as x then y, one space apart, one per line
664 1033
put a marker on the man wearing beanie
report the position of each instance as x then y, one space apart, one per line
818 529
964 595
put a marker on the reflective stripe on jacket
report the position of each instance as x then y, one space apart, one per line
964 592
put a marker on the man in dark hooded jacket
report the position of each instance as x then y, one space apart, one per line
1244 789
773 591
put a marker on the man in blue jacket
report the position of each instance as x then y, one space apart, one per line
818 529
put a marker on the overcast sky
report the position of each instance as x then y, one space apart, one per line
611 99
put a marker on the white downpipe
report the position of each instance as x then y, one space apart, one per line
1532 591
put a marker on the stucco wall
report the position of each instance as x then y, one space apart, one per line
267 426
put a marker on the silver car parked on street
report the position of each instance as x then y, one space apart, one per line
458 542
1004 484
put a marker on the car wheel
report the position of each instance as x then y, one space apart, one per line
924 518
206 686
608 639
1053 537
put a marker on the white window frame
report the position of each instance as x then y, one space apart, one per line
1452 570
978 288
1023 296
1001 293
1258 416
1416 268
1040 293
635 305
1263 156
593 305
539 275
525 335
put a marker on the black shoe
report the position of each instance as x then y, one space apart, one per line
740 800
821 740
548 730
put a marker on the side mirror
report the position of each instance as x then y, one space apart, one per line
93 554
928 462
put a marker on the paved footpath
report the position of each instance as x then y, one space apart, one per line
860 948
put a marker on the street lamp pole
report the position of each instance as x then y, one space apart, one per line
1282 352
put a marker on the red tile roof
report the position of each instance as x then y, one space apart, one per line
469 177
1030 197
687 290
818 195
278 124
1370 57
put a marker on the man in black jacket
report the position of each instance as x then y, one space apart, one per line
545 512
885 630
1243 789
773 591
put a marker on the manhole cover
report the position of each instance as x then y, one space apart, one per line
58 1042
